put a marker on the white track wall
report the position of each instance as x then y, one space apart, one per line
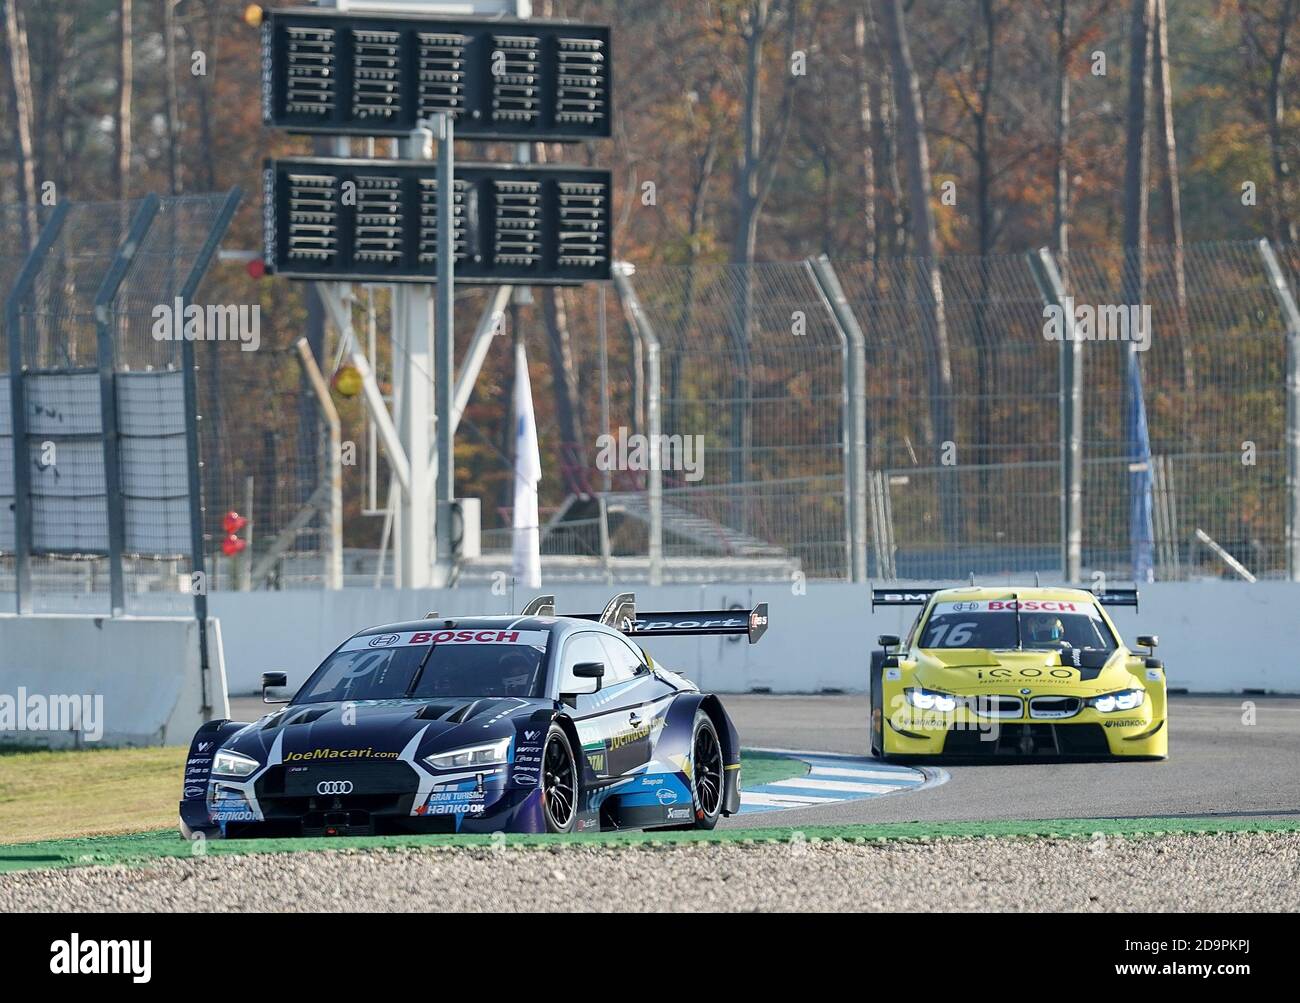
1214 636
146 669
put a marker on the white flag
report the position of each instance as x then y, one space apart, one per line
528 471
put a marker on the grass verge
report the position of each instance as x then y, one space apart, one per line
140 848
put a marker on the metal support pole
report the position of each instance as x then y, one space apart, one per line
602 338
22 468
198 567
1070 396
1291 315
104 318
489 324
444 362
622 274
334 560
855 410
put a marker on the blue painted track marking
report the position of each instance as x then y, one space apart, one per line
830 778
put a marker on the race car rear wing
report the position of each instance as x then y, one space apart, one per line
901 597
1118 597
919 597
621 614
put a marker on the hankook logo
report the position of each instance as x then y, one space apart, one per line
334 787
384 640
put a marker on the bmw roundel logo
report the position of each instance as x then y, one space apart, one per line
334 787
384 640
1025 691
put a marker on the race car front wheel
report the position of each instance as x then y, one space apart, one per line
559 782
877 706
707 772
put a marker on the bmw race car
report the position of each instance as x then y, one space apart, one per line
529 723
1002 672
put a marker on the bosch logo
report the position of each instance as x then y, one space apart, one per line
334 787
384 640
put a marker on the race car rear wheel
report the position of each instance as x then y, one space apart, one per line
707 772
559 782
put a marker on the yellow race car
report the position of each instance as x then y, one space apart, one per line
1015 672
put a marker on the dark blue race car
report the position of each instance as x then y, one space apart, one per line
529 723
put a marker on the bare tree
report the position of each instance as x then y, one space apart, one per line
1173 196
916 158
122 139
866 154
1137 150
1061 144
172 101
20 92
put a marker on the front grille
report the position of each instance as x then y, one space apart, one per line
997 706
367 776
1054 707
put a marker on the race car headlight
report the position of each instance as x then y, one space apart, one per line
1122 700
492 754
923 699
232 764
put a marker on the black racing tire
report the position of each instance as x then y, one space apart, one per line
708 772
877 725
560 784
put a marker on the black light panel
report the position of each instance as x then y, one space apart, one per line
377 220
339 73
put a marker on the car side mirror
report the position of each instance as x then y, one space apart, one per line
888 640
1148 641
273 680
590 670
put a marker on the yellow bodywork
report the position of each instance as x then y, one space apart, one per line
905 730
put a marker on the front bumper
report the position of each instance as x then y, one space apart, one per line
379 799
963 733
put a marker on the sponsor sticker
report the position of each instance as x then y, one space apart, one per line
534 638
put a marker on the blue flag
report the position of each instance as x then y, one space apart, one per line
1141 533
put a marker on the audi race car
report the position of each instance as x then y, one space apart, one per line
1004 672
529 723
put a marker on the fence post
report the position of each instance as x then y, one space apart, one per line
1048 277
18 409
1290 313
189 370
105 337
622 274
855 413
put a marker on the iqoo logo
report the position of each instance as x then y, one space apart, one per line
334 787
1026 673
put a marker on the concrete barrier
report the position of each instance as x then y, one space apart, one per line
1215 636
76 680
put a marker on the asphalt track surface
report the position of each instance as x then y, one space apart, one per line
1218 765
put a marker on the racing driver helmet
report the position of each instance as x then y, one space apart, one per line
1046 629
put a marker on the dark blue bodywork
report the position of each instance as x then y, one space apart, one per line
360 768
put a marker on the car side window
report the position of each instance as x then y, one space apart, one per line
623 663
582 648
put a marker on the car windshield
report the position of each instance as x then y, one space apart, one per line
432 664
1010 624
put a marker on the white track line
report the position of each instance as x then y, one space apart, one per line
782 800
848 774
842 786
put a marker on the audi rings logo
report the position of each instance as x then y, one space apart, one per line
384 640
334 787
